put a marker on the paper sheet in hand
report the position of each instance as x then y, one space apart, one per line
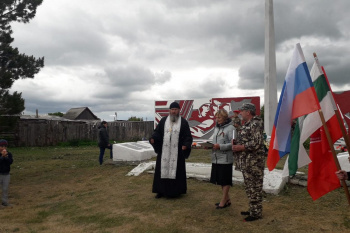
206 144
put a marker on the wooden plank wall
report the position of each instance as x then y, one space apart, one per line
39 132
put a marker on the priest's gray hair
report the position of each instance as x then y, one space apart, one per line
174 118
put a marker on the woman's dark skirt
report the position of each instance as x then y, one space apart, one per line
221 174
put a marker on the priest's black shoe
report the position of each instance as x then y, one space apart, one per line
158 196
251 218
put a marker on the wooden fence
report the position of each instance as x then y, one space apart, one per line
42 132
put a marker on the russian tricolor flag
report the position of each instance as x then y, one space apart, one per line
298 98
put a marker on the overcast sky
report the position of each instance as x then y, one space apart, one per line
122 55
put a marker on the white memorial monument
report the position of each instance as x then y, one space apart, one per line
133 151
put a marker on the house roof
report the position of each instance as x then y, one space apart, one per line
74 113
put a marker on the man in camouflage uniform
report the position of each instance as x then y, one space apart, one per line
236 121
250 154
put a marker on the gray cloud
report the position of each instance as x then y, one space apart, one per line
122 55
131 76
252 74
213 87
162 76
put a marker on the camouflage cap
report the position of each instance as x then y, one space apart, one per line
248 106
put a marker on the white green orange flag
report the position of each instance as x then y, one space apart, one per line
321 171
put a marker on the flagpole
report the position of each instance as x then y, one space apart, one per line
330 142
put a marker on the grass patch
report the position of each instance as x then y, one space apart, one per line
64 189
102 220
39 218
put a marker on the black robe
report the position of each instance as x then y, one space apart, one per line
172 187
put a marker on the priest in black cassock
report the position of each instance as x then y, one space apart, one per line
172 141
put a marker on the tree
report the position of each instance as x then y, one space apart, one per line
14 65
262 111
134 118
60 114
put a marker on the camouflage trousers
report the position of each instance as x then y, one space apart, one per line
253 180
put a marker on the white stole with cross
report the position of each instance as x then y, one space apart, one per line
170 148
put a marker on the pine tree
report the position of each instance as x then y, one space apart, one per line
14 65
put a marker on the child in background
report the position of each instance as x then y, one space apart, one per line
5 163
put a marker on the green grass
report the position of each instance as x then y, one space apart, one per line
64 189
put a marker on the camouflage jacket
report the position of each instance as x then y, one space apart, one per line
251 136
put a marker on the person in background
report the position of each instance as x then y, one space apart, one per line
103 141
5 166
342 175
222 157
172 141
250 153
236 121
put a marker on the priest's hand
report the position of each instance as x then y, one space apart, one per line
151 141
184 147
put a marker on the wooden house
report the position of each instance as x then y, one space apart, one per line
83 113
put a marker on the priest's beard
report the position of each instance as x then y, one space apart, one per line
174 118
